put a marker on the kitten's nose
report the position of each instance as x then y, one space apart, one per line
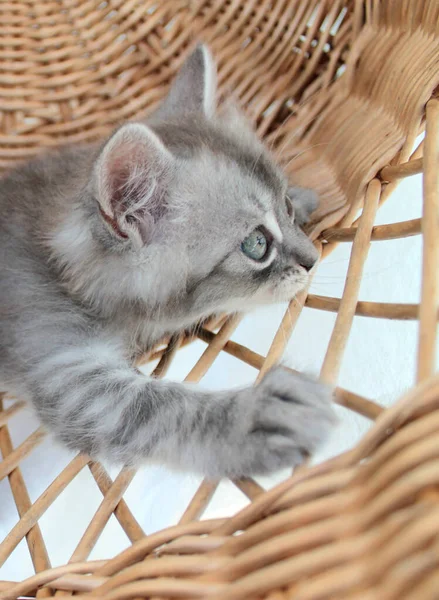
304 253
307 265
306 259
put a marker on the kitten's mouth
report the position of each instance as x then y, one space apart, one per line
286 289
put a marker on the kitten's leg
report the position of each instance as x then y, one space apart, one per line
95 402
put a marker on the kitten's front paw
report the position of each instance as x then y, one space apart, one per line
292 415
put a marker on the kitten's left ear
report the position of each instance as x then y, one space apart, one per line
194 88
304 201
131 178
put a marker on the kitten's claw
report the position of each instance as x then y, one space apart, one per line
289 416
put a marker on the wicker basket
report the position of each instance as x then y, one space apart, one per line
353 83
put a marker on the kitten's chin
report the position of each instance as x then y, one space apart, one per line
284 291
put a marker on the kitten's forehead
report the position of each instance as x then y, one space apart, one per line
190 137
224 191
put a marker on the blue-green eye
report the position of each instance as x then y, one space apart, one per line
255 245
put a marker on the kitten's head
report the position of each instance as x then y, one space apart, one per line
193 197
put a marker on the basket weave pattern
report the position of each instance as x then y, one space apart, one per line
340 90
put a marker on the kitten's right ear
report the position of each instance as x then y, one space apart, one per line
305 202
130 177
194 88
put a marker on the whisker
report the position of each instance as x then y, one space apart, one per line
336 261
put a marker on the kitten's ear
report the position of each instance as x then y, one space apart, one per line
194 88
131 176
304 201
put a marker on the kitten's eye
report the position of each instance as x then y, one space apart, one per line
255 246
290 207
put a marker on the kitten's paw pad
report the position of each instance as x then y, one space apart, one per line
293 416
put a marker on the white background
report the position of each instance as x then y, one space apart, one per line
379 364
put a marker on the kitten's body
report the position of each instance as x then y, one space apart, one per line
103 251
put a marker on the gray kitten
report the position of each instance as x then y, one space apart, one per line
105 250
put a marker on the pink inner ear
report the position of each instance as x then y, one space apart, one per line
133 172
113 224
119 178
127 180
123 168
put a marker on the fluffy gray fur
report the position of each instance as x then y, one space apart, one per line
104 250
